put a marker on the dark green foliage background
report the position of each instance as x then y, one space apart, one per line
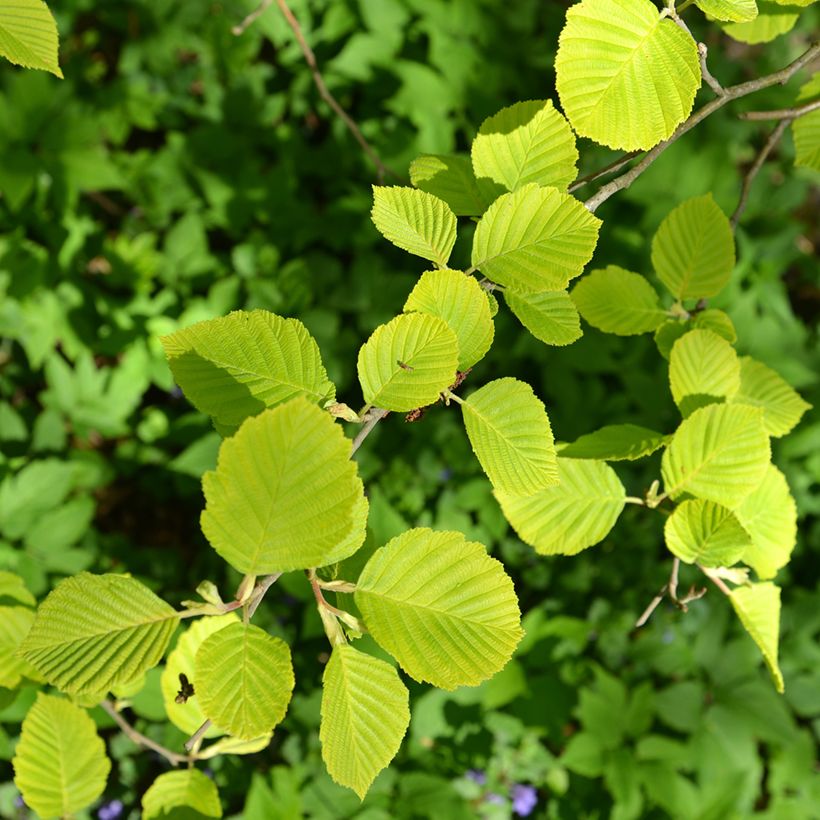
180 172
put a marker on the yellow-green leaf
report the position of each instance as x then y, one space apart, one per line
15 623
13 590
450 177
735 11
60 765
772 20
441 606
758 607
716 321
365 713
244 680
28 35
616 442
185 793
702 532
550 316
234 746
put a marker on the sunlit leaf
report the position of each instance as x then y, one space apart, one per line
716 321
735 11
450 178
234 746
184 793
702 532
616 442
772 20
703 369
758 607
15 623
551 316
28 35
13 590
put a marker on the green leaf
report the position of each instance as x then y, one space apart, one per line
461 302
365 714
60 765
234 746
769 515
716 321
609 53
577 513
15 623
702 532
534 239
415 221
806 132
760 386
551 317
355 538
618 301
95 631
184 793
408 362
284 493
451 178
235 367
244 680
758 607
616 442
523 143
772 20
188 716
511 436
441 606
667 334
13 589
703 369
28 35
720 453
693 251
735 11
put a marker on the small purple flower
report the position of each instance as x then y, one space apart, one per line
111 810
19 802
492 797
477 776
524 799
175 392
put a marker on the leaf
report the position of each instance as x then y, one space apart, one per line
616 442
760 386
716 321
551 317
355 538
577 513
523 143
626 77
284 493
15 623
772 20
450 177
28 35
703 369
415 221
234 746
534 239
693 251
235 367
461 302
365 714
13 589
244 680
667 334
769 515
511 436
736 11
618 301
95 631
806 132
720 453
441 606
185 790
702 532
408 362
188 716
60 765
758 607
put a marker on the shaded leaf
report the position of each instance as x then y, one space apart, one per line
188 790
772 20
616 442
15 623
702 532
703 369
450 177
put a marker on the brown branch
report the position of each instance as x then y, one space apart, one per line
252 17
783 113
613 166
711 81
375 415
670 588
197 736
140 739
732 93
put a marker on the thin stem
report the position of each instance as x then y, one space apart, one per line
140 739
448 396
782 113
320 598
252 17
375 416
716 580
261 589
197 736
673 578
631 499
685 5
613 166
670 588
713 83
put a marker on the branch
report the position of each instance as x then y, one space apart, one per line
732 93
714 84
670 588
374 417
613 166
140 739
197 736
252 17
783 113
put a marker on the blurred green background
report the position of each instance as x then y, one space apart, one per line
179 172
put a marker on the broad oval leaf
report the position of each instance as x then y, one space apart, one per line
415 221
284 493
441 606
734 11
716 321
13 590
772 20
760 386
188 716
510 433
238 365
667 334
758 607
523 143
702 532
618 301
577 513
60 765
610 53
551 316
15 623
185 793
28 35
534 239
461 302
95 631
693 250
806 133
355 538
769 515
408 362
720 453
616 442
450 177
244 680
703 369
365 714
